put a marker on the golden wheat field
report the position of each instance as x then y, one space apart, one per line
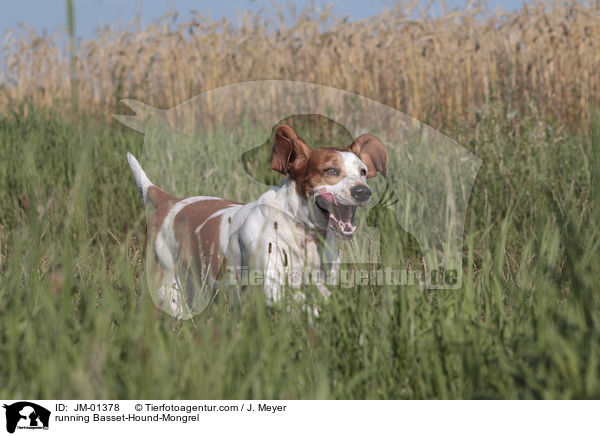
543 58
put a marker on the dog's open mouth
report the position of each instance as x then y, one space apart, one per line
340 217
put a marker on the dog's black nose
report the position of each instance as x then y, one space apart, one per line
360 192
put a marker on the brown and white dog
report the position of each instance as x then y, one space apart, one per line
291 227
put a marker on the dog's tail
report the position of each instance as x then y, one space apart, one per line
149 191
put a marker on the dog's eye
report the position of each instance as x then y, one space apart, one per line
363 172
332 171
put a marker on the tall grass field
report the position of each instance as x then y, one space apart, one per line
520 90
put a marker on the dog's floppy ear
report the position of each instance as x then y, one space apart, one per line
372 152
288 150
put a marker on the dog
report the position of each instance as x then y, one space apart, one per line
291 227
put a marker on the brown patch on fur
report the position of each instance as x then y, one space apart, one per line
163 203
158 197
289 150
313 172
211 252
202 248
372 152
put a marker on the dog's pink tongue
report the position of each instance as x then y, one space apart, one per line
327 196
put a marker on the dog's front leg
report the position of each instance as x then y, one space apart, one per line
285 276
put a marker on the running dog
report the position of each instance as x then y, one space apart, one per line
291 227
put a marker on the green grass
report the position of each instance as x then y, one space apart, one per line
76 320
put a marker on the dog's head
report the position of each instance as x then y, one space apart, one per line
332 180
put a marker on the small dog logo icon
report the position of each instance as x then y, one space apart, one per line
26 415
